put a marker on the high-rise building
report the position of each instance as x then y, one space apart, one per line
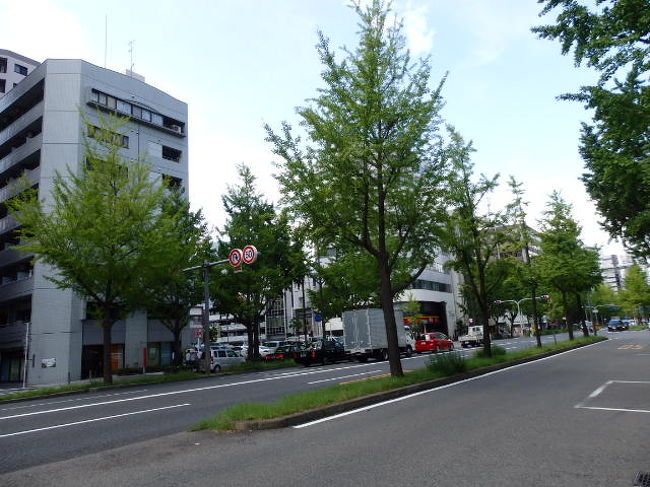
42 132
13 69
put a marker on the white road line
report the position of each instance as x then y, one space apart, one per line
344 377
72 400
600 389
428 391
183 391
17 433
613 409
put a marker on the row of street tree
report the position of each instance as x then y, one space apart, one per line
372 179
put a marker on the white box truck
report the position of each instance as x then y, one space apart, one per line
365 334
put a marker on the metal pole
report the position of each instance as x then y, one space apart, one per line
26 354
206 317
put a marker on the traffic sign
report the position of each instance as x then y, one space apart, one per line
198 333
235 257
318 317
250 254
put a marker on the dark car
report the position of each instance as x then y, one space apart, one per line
617 325
322 352
285 352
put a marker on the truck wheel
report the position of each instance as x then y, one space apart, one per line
384 355
409 351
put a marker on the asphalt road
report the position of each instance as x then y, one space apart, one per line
489 418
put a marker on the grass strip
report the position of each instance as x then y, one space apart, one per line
94 385
303 401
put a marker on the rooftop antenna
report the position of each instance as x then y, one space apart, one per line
105 38
131 43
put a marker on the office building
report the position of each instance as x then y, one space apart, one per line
13 69
41 133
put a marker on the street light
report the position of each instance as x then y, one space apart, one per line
518 303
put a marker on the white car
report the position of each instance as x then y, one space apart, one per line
222 358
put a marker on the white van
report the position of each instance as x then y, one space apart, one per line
221 358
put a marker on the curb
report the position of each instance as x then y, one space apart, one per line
360 402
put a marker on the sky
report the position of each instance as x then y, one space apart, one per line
240 64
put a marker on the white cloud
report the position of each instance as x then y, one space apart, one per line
40 30
418 34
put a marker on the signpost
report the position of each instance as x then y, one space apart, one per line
235 258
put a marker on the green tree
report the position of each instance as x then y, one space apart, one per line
247 295
177 291
371 177
101 230
527 271
565 264
472 235
613 37
636 292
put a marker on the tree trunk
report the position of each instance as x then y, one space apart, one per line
585 330
389 320
107 325
256 340
250 352
178 352
568 315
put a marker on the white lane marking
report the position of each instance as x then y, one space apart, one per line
344 377
73 400
428 391
183 391
600 389
56 426
578 406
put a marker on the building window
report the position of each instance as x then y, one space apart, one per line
2 85
172 182
124 107
103 135
431 286
171 154
3 64
20 69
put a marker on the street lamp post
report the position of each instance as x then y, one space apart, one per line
518 303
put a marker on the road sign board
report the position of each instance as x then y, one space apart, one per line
198 333
250 254
235 257
318 317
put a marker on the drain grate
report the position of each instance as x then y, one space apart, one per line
642 479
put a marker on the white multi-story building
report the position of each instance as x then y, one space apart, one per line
42 132
13 69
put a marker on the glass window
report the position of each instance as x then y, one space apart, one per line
111 102
102 98
20 69
2 85
136 111
146 115
156 119
94 96
124 107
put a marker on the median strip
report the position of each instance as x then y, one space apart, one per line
309 406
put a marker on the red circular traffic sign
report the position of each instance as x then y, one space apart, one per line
250 254
235 257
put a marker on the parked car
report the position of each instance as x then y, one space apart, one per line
285 352
322 352
617 325
220 358
432 342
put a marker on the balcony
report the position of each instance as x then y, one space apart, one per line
11 256
12 189
13 288
20 153
22 122
8 223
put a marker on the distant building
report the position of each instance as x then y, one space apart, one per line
13 69
613 268
41 132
